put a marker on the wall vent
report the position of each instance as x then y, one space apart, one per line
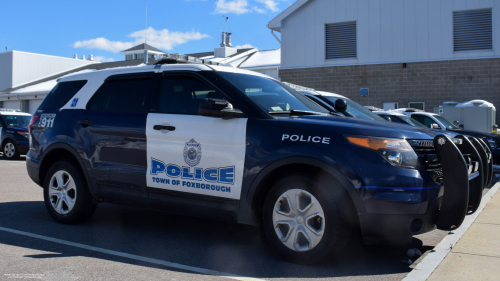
472 30
341 40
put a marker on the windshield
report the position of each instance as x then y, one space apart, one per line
353 109
269 94
16 120
445 122
410 121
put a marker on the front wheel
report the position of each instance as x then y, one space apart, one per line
9 150
66 195
305 219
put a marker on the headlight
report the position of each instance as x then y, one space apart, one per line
24 134
396 151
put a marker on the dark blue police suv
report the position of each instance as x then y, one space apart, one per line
14 136
238 146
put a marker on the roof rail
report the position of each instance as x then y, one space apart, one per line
10 109
178 58
297 87
373 108
413 110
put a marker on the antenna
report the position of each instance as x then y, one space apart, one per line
146 32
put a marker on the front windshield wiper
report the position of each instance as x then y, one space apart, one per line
296 112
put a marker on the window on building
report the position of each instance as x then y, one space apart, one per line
182 95
125 95
390 105
129 57
341 40
472 30
417 105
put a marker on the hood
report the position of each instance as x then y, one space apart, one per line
21 129
356 126
474 133
450 134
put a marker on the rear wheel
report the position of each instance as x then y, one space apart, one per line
306 221
9 150
67 197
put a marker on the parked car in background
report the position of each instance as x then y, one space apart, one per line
14 135
397 117
428 119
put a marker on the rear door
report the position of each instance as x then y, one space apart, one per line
113 132
189 153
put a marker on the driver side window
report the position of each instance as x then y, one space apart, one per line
183 94
423 119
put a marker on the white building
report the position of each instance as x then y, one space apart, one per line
41 75
412 52
21 68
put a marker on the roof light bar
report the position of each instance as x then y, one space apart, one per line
179 58
9 109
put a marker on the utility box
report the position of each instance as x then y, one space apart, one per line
473 115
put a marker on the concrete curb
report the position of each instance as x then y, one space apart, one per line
425 268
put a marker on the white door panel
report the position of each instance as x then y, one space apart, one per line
15 104
203 155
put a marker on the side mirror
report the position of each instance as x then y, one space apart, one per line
340 106
219 108
388 118
435 126
456 123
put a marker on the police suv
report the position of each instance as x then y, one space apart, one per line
14 132
238 146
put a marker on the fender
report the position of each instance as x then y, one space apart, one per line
248 214
60 145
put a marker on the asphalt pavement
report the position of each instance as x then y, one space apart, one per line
125 243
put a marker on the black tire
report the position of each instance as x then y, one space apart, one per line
84 205
14 156
338 212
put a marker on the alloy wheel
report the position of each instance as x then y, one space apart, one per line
9 150
62 192
298 220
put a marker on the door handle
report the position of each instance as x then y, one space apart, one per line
161 127
84 122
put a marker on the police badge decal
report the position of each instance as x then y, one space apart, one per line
192 153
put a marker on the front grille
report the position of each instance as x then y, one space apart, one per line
428 158
426 154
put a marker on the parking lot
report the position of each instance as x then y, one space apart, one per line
135 244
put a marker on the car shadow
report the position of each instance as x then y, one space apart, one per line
209 244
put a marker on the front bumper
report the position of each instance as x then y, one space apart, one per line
23 147
465 168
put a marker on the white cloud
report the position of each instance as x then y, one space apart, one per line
162 39
242 6
231 6
103 59
245 46
258 10
271 5
103 44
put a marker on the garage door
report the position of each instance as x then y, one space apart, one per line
34 104
12 104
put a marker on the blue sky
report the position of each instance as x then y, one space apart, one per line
103 28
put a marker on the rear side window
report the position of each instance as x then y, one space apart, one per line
61 94
126 95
